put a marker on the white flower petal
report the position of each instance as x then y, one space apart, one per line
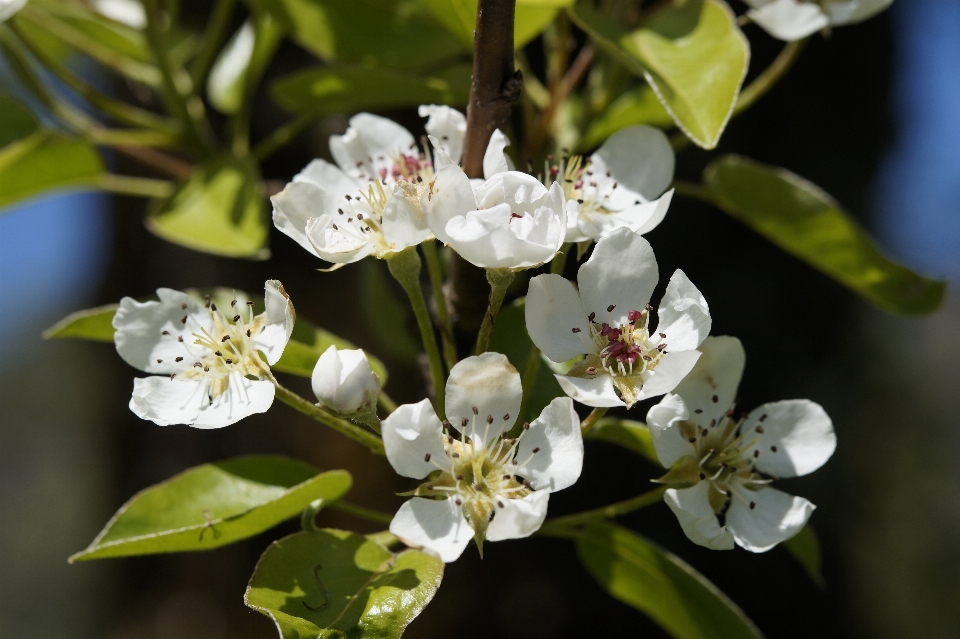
494 159
696 517
403 222
297 205
775 517
165 401
622 272
438 526
789 19
338 243
717 374
342 380
671 370
639 218
795 437
553 311
519 517
139 336
483 386
410 434
854 11
330 178
448 126
663 421
684 315
367 138
225 80
640 159
551 450
450 195
128 12
597 392
279 322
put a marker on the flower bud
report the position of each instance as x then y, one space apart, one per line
343 381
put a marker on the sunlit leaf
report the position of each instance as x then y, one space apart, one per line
692 54
374 33
213 505
95 324
16 121
242 62
801 219
805 548
659 584
460 18
325 91
634 436
637 106
219 210
44 161
333 583
308 343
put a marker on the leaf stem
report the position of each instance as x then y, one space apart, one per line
213 39
499 280
429 249
405 268
559 525
135 186
354 432
587 424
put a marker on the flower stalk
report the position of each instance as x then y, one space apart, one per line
443 314
500 280
556 527
357 434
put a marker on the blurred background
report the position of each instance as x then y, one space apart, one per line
869 114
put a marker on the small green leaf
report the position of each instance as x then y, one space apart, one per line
333 584
661 585
805 548
219 210
510 338
95 324
385 315
16 121
307 344
44 161
397 34
242 61
460 18
634 436
213 505
801 219
324 91
637 106
692 54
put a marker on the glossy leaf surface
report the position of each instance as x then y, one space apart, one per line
637 106
45 161
334 583
803 220
661 585
460 18
213 505
94 324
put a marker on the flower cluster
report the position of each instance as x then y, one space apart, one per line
795 19
485 474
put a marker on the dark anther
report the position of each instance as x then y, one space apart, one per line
660 347
576 330
218 353
236 318
340 211
611 307
229 361
649 308
526 425
450 440
536 450
715 399
693 440
164 332
359 216
172 375
773 448
426 457
647 358
459 477
506 478
206 369
159 361
183 306
464 422
591 370
756 453
489 419
348 197
763 417
446 424
729 493
698 411
224 338
336 228
213 307
478 486
456 455
183 320
592 316
759 429
179 359
506 417
476 411
429 486
702 476
705 432
493 514
458 501
500 503
197 365
250 303
248 332
663 336
713 423
233 303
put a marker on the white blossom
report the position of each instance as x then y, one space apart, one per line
509 220
621 185
481 483
609 322
207 360
128 12
10 7
795 19
723 466
343 381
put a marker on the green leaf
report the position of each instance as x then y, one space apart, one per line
16 121
336 584
805 548
385 315
323 91
634 436
692 54
510 338
460 18
242 61
213 505
637 106
374 33
219 210
659 584
801 219
307 344
95 324
44 161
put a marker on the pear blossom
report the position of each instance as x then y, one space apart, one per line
10 7
208 361
481 483
721 467
795 19
621 185
343 381
508 221
607 323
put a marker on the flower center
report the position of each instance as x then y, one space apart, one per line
625 349
591 191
